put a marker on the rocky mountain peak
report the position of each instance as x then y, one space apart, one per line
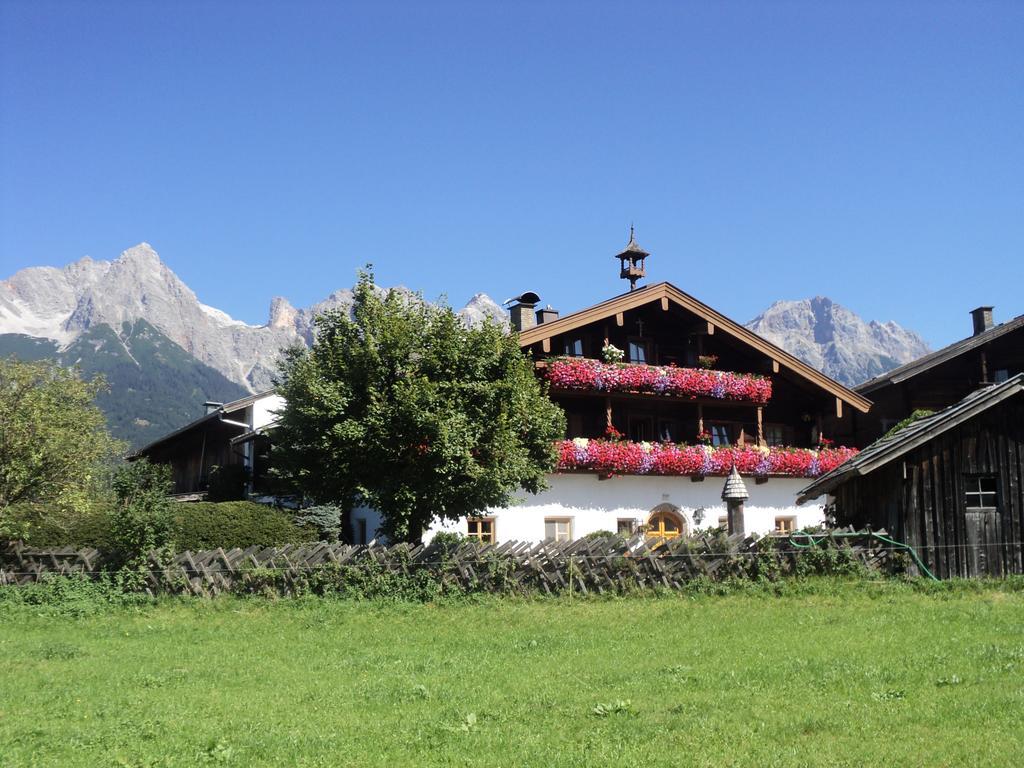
63 303
482 307
282 313
142 254
836 340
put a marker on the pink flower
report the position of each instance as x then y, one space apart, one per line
583 374
617 457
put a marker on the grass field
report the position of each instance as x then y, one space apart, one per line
858 674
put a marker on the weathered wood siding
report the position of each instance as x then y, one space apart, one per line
920 499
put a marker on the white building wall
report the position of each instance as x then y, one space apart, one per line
263 411
597 505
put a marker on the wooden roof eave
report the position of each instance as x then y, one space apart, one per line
652 293
914 436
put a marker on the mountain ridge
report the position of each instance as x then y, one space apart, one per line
101 314
837 341
62 303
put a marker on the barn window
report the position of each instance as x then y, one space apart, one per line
481 529
980 492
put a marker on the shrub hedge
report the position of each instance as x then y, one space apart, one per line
208 525
196 525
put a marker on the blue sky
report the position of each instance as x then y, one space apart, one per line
871 152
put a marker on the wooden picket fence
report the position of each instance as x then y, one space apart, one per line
583 566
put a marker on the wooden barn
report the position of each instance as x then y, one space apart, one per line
228 434
951 485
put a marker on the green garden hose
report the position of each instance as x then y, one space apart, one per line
812 542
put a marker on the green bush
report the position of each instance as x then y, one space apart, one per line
227 524
45 527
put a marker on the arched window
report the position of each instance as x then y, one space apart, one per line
665 522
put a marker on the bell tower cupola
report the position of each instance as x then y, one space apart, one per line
632 261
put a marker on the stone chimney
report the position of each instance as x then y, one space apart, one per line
521 312
982 317
546 315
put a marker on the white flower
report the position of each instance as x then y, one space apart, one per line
580 442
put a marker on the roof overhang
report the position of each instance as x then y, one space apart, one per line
885 450
667 294
927 362
220 414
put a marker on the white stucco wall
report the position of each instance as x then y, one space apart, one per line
597 505
263 410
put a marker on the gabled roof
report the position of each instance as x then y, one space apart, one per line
886 449
913 368
666 292
214 415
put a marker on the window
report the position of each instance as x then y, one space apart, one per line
481 529
665 522
785 524
638 352
574 425
641 429
625 526
361 533
668 431
1002 374
980 492
719 434
774 434
558 528
574 346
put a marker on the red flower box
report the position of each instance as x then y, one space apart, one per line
624 458
584 374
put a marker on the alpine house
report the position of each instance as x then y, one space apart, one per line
663 395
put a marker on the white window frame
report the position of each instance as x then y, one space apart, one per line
973 491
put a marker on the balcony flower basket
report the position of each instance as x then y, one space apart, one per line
625 458
584 374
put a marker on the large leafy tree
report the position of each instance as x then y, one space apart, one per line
54 446
402 406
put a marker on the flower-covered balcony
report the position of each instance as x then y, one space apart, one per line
616 457
588 375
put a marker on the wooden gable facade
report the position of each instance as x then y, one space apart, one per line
228 435
992 355
660 325
951 485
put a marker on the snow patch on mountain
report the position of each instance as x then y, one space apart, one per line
63 303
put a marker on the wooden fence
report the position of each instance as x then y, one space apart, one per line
584 566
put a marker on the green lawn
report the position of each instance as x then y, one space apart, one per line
867 674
